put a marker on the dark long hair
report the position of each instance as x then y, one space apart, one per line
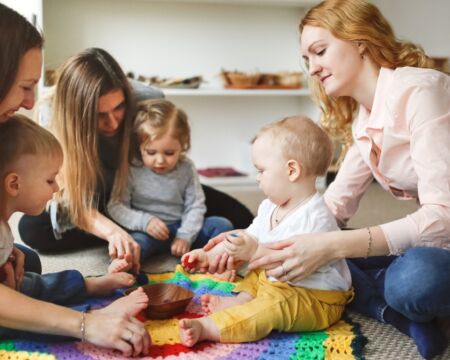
17 36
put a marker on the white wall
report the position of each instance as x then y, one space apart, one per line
425 22
175 39
32 10
182 39
27 8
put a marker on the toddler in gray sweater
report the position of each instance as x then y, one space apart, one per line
163 206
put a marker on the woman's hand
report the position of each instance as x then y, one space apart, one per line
121 332
158 229
180 247
123 246
295 258
223 262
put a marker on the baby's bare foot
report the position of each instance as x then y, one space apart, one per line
131 305
104 285
118 265
213 303
194 330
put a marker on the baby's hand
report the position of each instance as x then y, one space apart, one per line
240 245
195 260
158 229
180 247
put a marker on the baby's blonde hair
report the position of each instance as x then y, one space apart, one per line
302 140
155 118
21 136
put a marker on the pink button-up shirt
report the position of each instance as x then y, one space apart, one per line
404 143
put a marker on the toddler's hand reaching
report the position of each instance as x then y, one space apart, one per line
158 229
180 247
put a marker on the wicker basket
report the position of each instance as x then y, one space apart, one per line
236 79
290 79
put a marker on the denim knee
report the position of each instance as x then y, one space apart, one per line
416 283
217 225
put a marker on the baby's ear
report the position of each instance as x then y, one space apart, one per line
294 170
11 184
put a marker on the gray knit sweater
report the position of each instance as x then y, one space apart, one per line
172 197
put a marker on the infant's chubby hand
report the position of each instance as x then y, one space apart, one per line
158 229
180 247
240 245
195 260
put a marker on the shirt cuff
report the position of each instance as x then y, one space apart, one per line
400 235
145 220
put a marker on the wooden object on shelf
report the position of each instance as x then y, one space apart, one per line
192 82
236 92
281 80
50 77
239 80
165 300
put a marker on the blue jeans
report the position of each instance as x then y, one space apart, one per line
212 226
63 288
32 261
415 284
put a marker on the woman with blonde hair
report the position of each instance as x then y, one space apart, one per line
397 107
21 315
92 115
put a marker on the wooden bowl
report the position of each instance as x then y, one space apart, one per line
165 300
239 80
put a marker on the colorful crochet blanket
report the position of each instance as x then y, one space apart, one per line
341 341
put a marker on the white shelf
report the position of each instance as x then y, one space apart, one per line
235 92
293 3
228 182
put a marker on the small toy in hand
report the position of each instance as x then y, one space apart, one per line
232 235
188 265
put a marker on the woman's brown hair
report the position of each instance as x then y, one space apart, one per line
83 79
17 36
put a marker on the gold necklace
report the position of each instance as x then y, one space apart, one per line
300 203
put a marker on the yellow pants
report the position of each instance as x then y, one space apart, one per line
278 306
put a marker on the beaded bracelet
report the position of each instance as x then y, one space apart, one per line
369 243
83 326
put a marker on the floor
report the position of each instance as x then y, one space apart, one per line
377 206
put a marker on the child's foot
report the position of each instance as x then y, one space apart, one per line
194 330
213 303
119 265
228 275
104 285
131 305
